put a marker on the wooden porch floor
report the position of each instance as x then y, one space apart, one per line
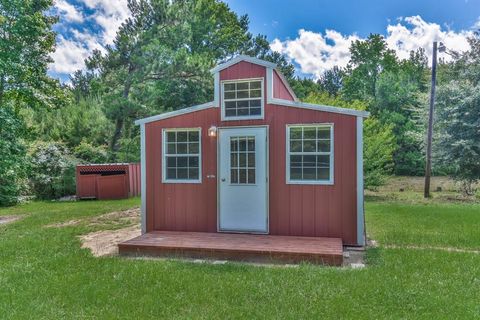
229 246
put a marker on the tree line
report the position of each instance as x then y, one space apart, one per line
160 61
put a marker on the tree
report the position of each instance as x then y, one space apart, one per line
458 103
369 58
304 87
393 91
331 81
459 106
13 164
162 56
26 41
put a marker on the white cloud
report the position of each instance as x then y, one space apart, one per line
421 34
109 14
69 56
73 48
68 11
316 52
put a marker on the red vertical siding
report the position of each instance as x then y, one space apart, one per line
280 91
302 210
124 185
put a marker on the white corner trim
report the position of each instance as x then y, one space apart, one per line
269 85
143 182
216 89
318 107
175 113
287 85
360 203
239 58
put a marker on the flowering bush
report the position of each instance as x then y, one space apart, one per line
53 173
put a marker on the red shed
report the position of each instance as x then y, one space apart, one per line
108 181
254 160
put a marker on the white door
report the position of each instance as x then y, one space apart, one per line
243 179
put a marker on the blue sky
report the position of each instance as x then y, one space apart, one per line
283 18
314 35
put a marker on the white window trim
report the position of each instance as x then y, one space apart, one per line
164 155
332 157
262 100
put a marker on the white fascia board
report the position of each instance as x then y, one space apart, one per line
175 113
239 58
318 107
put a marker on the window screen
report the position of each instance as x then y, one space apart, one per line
310 153
182 155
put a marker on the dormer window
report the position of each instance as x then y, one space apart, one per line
242 99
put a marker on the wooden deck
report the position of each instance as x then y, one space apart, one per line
243 247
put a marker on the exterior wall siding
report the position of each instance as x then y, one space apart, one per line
297 210
279 89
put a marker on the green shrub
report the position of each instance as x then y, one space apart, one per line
53 173
13 163
379 145
90 154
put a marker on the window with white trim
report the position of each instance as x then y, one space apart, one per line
310 154
181 155
243 99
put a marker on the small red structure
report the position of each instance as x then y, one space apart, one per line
108 181
255 160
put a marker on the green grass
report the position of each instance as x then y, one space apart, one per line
45 275
439 225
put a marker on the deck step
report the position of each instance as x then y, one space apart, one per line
229 246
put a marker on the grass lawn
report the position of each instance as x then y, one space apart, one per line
44 274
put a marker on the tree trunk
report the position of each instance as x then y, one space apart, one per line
117 134
114 146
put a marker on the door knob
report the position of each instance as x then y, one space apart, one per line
223 179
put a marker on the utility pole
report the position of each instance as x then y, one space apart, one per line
428 166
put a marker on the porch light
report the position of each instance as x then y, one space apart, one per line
212 131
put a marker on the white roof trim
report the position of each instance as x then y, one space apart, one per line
287 85
318 107
239 58
175 113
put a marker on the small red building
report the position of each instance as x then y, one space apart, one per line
108 181
254 160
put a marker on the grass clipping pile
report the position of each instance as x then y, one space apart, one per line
121 225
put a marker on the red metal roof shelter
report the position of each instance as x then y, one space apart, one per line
108 181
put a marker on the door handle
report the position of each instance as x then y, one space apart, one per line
223 179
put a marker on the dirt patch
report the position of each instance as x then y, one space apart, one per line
104 243
9 219
112 219
127 217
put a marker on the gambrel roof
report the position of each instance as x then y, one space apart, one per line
272 67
